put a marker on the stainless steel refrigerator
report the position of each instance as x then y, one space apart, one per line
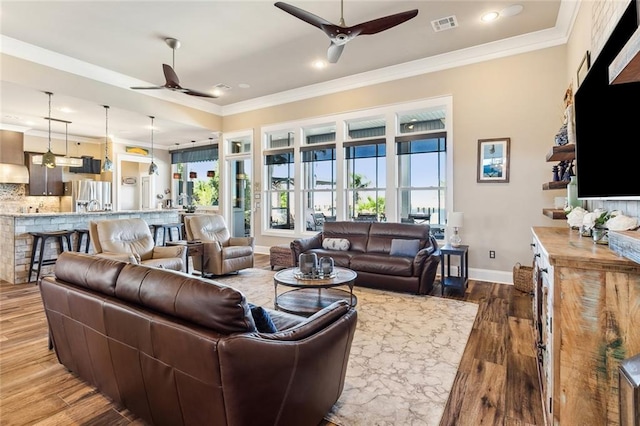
90 195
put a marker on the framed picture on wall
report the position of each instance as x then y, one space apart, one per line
493 160
584 66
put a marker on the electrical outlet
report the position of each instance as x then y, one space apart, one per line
492 254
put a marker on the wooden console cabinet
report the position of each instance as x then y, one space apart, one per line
587 311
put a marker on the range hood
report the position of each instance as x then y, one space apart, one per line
12 168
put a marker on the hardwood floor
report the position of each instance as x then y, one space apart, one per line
496 383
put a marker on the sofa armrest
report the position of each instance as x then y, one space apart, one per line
241 241
300 245
286 366
168 251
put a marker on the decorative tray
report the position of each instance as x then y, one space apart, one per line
300 276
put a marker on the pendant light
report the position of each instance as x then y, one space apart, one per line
48 159
153 168
108 164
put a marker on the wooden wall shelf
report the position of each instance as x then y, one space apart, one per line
561 184
554 213
562 153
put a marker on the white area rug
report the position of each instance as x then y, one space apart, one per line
404 356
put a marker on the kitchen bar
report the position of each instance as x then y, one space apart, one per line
16 243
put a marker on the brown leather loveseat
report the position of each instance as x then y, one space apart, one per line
401 257
178 350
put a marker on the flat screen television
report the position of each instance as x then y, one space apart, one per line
608 124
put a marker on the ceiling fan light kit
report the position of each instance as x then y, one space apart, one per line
341 34
172 82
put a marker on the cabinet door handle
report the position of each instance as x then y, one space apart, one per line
533 245
536 255
545 270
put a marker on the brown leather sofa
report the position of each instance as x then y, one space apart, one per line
178 350
370 252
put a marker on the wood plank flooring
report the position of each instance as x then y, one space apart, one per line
496 383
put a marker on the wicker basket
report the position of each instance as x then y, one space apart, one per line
523 278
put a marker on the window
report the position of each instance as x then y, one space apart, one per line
280 189
319 190
196 180
391 163
366 176
421 177
280 139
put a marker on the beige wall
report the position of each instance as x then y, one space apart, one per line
519 97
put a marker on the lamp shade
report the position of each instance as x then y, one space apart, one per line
455 219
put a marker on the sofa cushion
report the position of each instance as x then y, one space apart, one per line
407 248
340 244
340 258
263 321
356 232
382 264
383 233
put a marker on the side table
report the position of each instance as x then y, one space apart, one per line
194 248
446 279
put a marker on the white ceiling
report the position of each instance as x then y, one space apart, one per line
88 53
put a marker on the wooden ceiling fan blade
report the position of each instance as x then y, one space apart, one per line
381 24
200 94
146 87
170 76
307 17
334 52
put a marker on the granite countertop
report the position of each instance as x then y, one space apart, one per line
57 214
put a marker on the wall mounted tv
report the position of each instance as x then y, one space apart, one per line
608 124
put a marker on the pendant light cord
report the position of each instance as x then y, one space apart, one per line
49 93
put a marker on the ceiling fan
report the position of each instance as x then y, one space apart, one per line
341 34
172 81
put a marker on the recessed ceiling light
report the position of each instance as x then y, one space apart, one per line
512 10
319 64
489 16
217 92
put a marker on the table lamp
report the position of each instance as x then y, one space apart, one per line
454 221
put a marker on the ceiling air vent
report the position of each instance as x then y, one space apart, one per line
445 23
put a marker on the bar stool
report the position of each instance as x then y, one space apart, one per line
82 233
166 231
39 247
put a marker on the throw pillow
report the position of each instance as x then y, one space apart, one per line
407 248
341 244
264 323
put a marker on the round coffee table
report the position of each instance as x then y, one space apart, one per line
308 295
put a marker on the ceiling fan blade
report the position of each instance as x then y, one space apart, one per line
197 93
381 24
334 52
308 17
170 76
146 88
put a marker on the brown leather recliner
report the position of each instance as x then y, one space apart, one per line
130 240
223 254
178 350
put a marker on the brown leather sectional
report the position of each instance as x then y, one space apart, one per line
369 254
178 350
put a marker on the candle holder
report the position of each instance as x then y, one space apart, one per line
308 264
326 266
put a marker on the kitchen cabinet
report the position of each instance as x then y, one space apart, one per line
586 308
42 180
